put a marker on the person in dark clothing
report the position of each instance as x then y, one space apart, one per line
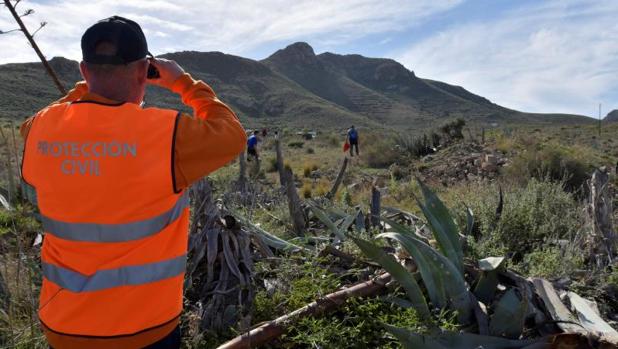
353 140
252 146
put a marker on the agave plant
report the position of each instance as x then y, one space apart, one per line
441 272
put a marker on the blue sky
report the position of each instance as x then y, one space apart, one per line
537 56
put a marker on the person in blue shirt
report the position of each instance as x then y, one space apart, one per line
252 146
353 140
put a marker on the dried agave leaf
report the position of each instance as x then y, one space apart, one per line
558 311
212 236
268 238
591 320
5 203
469 221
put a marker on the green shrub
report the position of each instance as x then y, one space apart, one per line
310 150
414 146
379 152
550 262
612 278
569 164
309 167
453 129
271 165
19 221
301 284
398 172
296 144
357 324
335 140
306 191
346 198
532 215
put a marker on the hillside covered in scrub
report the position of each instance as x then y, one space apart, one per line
477 238
295 87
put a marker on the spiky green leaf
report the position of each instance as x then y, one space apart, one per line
429 269
442 271
398 272
509 316
323 217
442 225
488 281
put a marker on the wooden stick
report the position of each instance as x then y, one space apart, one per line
279 161
375 207
294 205
333 190
24 30
275 328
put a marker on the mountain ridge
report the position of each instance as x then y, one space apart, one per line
612 116
293 86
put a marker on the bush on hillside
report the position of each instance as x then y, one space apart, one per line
551 262
532 215
569 164
378 152
414 146
453 129
271 165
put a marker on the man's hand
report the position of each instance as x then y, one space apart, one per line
169 72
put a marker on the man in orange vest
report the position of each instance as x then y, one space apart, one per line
110 178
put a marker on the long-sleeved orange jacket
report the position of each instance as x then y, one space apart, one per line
203 143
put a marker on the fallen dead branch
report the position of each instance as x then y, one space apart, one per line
275 328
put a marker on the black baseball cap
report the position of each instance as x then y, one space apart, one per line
126 35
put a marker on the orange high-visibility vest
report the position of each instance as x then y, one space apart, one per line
116 230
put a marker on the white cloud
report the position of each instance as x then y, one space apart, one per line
554 57
234 27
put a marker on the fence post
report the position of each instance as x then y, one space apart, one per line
600 211
280 168
331 194
375 207
294 205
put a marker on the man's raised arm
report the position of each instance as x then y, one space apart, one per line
208 140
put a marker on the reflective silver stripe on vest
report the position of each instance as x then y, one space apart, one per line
105 279
93 232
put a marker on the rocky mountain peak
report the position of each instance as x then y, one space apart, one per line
299 52
612 116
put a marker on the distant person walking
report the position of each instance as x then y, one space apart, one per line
352 138
252 146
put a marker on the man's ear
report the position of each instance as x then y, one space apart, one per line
84 70
142 72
